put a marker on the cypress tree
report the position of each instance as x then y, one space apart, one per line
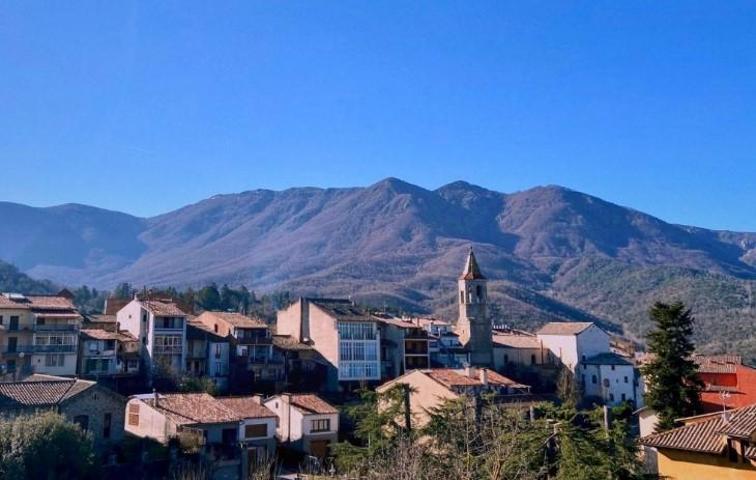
673 384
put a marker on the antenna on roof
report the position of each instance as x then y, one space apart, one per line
724 396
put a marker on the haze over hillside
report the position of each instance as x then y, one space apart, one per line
552 253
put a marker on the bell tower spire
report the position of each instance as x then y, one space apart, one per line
473 324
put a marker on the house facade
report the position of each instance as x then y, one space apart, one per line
106 353
611 378
207 354
38 333
257 430
306 422
347 337
160 327
710 446
94 408
728 383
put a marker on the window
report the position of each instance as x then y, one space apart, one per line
613 367
626 379
461 296
321 425
215 327
594 379
92 346
109 344
229 436
1 319
55 360
624 397
506 358
533 359
256 431
479 292
611 397
90 365
40 321
13 323
582 358
134 414
732 454
11 366
82 421
12 344
106 422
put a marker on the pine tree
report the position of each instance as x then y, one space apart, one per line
673 383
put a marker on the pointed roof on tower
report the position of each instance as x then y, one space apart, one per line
472 270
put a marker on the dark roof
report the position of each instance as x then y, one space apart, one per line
40 391
563 328
343 310
472 270
607 359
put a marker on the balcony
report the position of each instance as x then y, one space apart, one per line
168 350
56 327
42 349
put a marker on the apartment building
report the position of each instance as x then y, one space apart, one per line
404 346
160 327
106 353
347 337
207 353
251 345
38 333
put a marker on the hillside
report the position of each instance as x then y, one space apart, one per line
12 280
553 253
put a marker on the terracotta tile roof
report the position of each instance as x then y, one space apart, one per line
99 334
50 303
163 308
458 378
563 328
472 270
740 423
42 390
750 452
287 342
247 407
607 358
101 318
504 340
706 433
718 363
198 330
235 319
311 404
192 408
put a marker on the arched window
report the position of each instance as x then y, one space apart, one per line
533 359
479 292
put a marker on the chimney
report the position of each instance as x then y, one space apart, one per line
154 392
483 374
469 371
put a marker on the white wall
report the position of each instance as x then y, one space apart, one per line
307 423
563 347
592 341
616 382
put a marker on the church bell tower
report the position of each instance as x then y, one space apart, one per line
473 324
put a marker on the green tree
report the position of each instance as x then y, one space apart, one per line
46 447
673 384
209 298
123 290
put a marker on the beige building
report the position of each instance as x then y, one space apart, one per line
96 409
514 347
429 389
38 333
347 337
198 421
405 345
711 446
306 422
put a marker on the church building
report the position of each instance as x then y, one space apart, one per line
473 324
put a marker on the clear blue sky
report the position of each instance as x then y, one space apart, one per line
144 107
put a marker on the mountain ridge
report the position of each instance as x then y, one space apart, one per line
399 243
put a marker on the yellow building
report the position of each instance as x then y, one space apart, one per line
718 446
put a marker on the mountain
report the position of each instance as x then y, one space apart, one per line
12 280
552 253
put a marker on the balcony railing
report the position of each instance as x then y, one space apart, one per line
168 350
43 349
52 327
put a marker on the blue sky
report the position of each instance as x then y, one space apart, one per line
146 106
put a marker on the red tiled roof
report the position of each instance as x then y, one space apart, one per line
311 403
718 363
43 390
707 434
287 342
192 408
163 308
99 334
563 328
247 407
457 378
50 303
504 340
235 319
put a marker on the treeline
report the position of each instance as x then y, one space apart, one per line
466 440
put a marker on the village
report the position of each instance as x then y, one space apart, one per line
237 391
